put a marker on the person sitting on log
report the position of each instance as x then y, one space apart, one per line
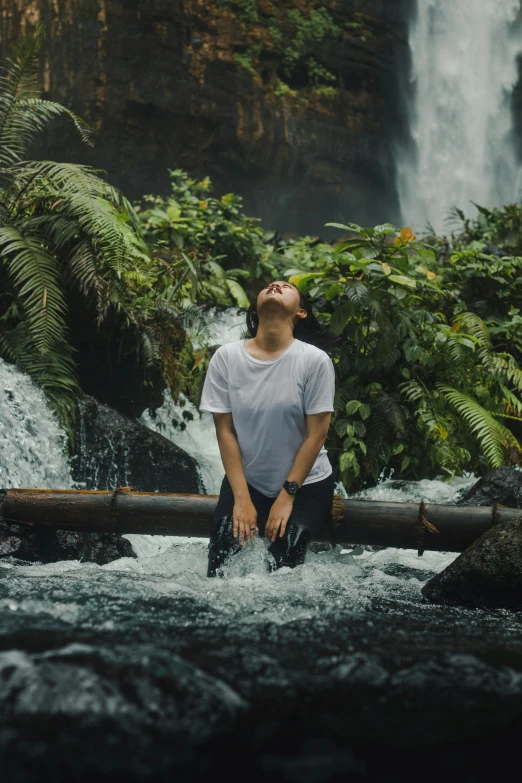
271 396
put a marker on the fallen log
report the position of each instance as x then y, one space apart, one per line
405 525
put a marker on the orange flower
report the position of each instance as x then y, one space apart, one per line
407 235
203 204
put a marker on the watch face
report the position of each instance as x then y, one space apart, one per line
293 487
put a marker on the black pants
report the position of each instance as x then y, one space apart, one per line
311 507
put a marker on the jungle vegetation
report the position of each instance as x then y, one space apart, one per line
429 378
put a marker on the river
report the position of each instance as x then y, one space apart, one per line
144 669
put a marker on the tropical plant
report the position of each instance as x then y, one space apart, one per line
417 390
63 228
206 240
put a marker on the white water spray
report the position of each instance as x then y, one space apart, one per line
32 442
464 68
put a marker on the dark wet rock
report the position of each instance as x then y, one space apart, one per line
501 485
493 250
30 544
48 546
112 450
487 575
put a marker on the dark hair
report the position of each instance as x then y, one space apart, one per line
308 329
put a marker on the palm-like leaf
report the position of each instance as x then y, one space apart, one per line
35 276
22 112
494 438
60 224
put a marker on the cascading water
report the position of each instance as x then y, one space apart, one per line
464 67
31 440
180 422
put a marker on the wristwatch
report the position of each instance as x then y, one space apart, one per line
292 487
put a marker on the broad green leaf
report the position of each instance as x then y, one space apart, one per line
173 211
403 280
301 280
352 407
364 411
237 292
347 227
385 228
217 269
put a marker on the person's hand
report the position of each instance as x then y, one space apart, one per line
244 517
278 517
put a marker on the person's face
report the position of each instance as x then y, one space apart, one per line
280 293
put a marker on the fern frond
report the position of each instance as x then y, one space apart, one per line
493 437
390 410
22 112
35 277
474 325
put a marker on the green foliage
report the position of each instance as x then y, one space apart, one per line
245 10
500 226
282 88
296 40
245 59
294 36
64 229
207 242
60 225
419 389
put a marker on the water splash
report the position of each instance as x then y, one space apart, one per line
32 443
464 68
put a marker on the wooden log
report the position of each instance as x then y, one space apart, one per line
405 525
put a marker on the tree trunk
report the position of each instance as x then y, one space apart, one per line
407 525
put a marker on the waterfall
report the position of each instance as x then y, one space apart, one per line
463 70
181 422
32 443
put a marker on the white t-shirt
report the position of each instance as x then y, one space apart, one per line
268 400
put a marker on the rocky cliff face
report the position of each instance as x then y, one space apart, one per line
293 104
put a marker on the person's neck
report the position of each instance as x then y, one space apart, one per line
273 338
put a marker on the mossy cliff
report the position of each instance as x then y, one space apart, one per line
292 104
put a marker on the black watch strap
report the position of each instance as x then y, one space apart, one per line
292 487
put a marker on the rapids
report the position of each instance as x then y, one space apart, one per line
144 669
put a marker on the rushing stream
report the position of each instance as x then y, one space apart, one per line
144 669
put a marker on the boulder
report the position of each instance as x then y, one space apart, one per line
24 542
112 450
49 546
487 575
501 485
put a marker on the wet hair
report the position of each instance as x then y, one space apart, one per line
308 329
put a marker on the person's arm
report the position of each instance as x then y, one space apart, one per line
317 425
244 514
318 406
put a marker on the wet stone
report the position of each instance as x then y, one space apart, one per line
487 575
502 485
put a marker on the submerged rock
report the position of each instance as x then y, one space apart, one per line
48 546
112 450
501 485
487 575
